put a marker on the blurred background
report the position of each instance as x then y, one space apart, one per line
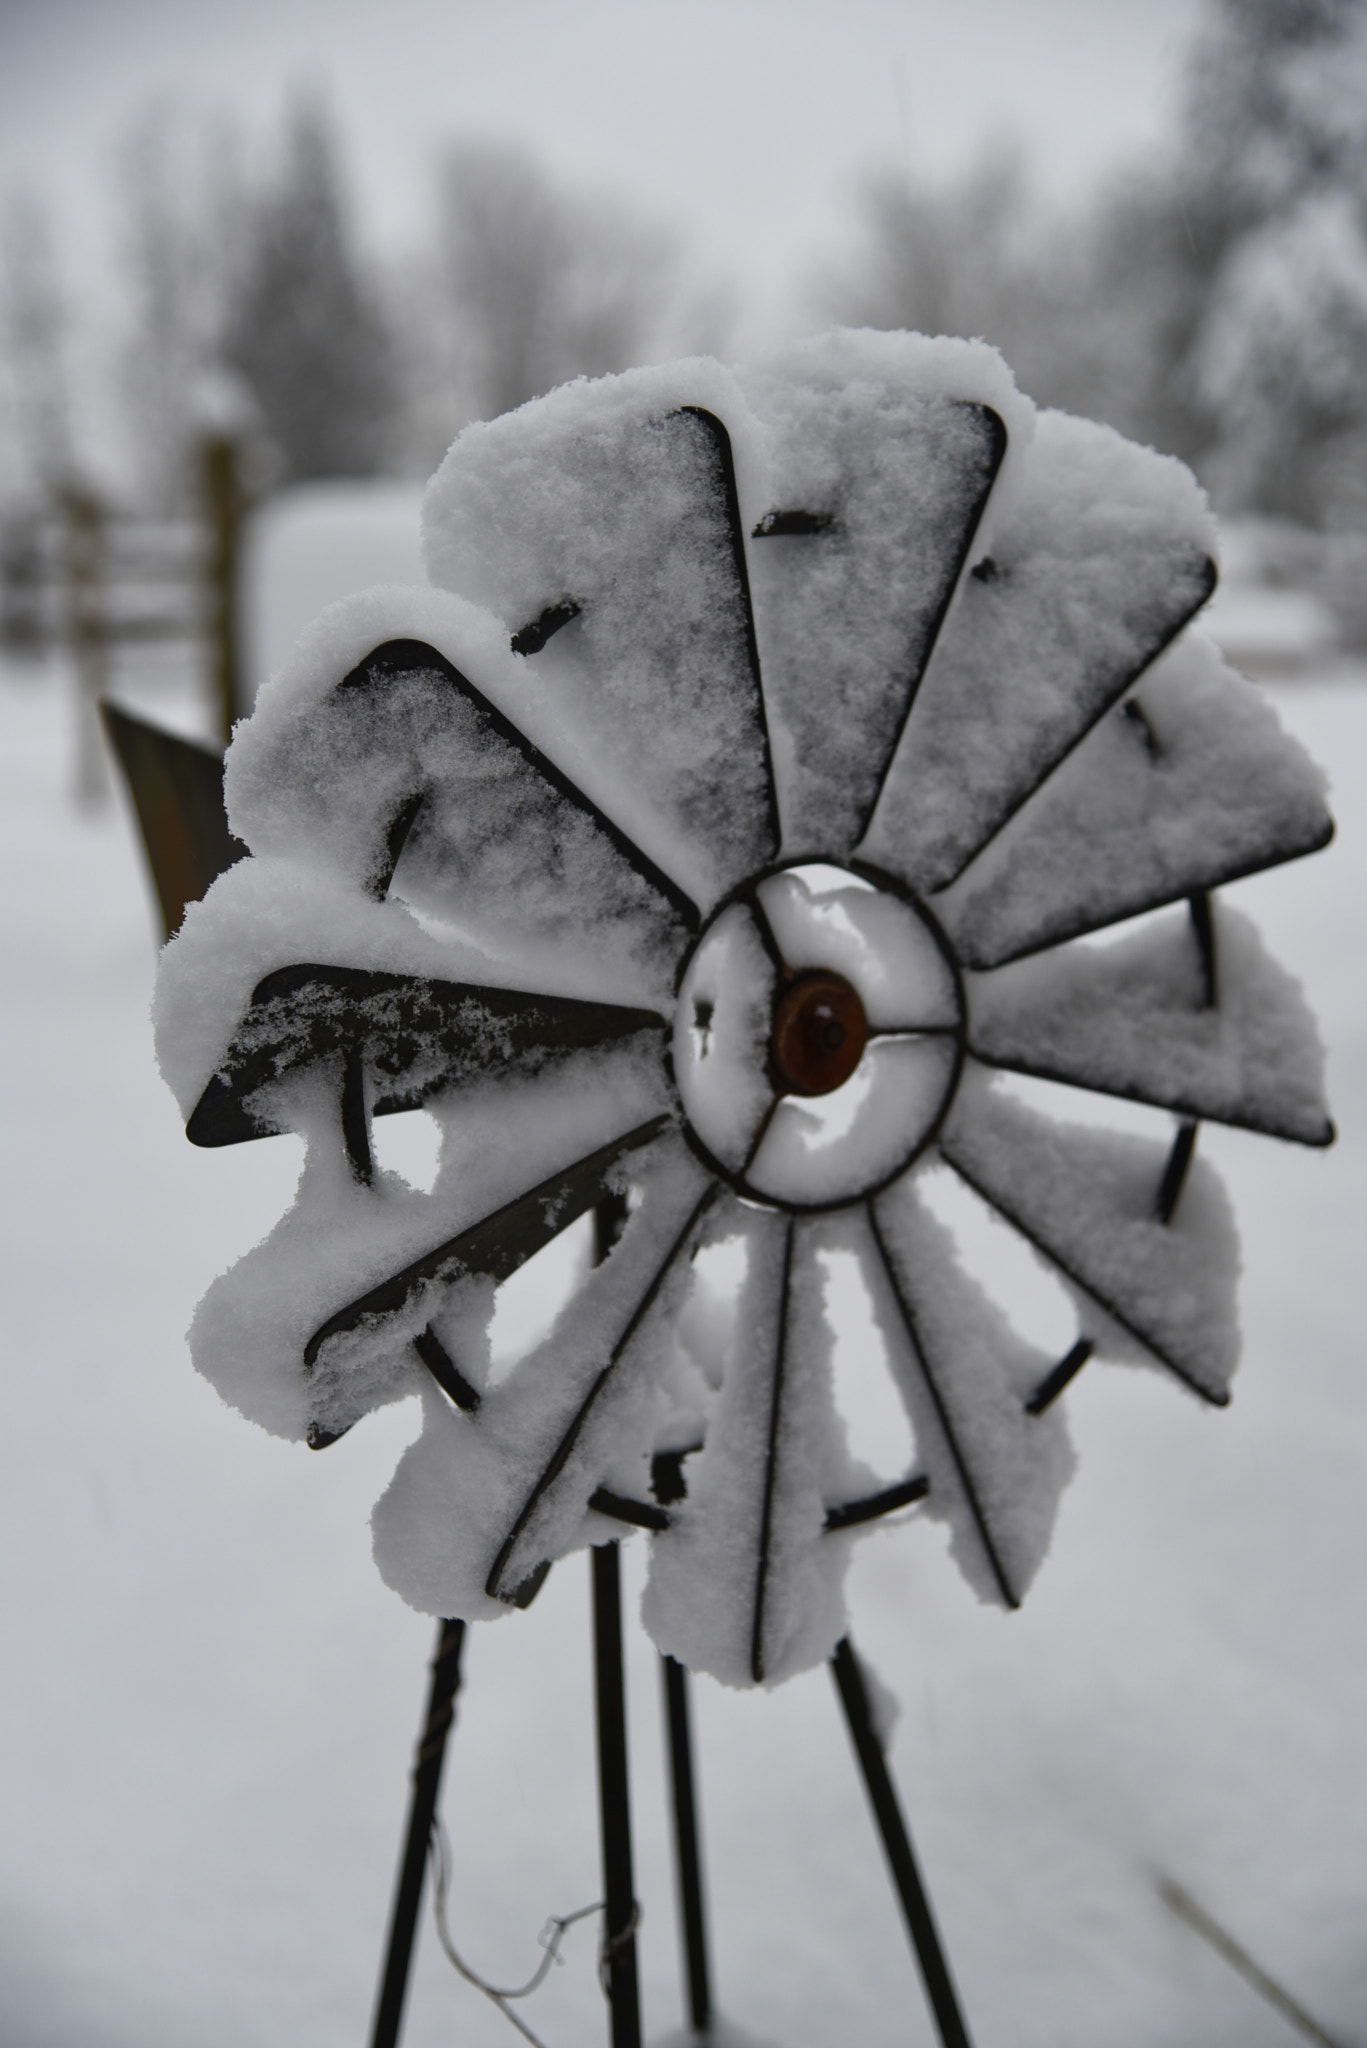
332 236
258 264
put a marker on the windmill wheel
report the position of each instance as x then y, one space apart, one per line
703 864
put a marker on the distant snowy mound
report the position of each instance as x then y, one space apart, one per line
700 853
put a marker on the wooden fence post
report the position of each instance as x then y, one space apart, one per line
87 633
224 502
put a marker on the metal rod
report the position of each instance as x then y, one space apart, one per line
686 1849
1176 1171
771 1462
421 1812
224 504
619 1931
1062 1375
922 1358
906 1878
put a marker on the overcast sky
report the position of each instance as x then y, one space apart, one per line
745 123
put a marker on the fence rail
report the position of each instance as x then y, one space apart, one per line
84 575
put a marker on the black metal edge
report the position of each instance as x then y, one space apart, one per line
558 1459
500 1242
906 1877
355 1122
221 1116
1175 1172
1060 1376
1208 579
1079 927
1200 910
687 1847
395 839
1215 1399
667 1481
995 454
531 638
961 1465
405 657
1178 1105
617 1957
641 1514
431 1751
721 441
853 1512
446 1372
784 524
776 1392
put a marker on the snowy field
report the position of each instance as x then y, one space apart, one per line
210 1699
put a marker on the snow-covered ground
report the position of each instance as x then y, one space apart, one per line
209 1698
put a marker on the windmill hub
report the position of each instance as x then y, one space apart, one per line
819 1035
819 1032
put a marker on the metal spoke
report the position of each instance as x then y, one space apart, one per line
999 1572
415 1037
560 1456
422 1809
498 1244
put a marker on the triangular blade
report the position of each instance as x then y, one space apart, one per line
1091 1202
1098 560
878 491
751 1529
1134 1019
494 1247
1196 786
996 1471
407 778
580 1415
318 1325
177 791
579 1411
624 584
413 1037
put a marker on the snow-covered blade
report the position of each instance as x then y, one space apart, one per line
1095 562
1151 1287
996 1470
1156 1018
1190 784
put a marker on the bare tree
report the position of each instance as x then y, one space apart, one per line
305 329
34 335
183 225
1275 179
1214 303
1068 297
538 284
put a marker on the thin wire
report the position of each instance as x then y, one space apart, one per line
607 1950
550 1937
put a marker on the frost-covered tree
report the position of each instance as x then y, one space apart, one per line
305 330
539 284
1274 176
953 257
183 221
1213 303
1079 300
33 354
